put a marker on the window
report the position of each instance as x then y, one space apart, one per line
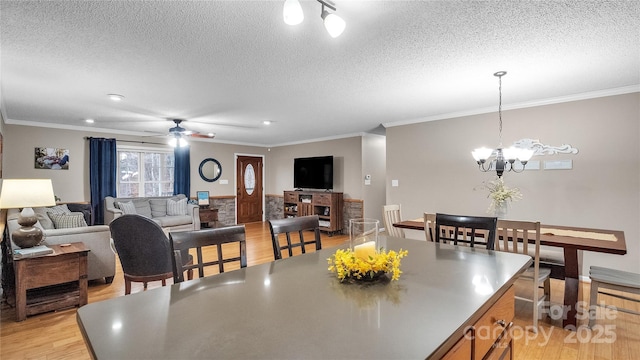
145 172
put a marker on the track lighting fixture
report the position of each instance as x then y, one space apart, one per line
293 15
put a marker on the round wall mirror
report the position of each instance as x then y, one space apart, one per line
210 170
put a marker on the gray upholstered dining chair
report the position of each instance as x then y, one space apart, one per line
466 229
289 226
143 249
184 241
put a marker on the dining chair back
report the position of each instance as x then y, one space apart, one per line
294 225
182 242
143 250
429 226
391 215
464 229
523 237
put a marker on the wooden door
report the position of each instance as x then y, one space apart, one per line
249 189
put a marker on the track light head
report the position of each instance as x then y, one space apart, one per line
292 12
332 22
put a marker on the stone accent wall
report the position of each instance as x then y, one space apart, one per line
226 209
353 209
274 207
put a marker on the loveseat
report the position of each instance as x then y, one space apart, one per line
172 213
101 260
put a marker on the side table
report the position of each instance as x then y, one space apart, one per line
51 282
207 216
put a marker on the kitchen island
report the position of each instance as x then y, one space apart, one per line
295 308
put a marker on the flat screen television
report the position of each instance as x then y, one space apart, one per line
313 173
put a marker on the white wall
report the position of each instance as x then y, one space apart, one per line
374 164
436 172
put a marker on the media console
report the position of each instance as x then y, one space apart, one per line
327 205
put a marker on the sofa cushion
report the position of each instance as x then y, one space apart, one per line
176 207
169 221
43 218
158 207
127 207
65 221
142 207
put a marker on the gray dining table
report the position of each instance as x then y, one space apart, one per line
295 308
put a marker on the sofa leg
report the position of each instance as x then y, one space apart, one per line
108 279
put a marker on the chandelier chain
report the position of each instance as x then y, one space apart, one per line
500 109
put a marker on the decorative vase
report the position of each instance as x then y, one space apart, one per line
500 210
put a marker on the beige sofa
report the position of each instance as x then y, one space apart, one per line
101 260
155 208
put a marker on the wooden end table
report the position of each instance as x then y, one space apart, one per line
207 216
51 282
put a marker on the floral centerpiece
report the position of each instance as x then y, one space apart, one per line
500 195
349 267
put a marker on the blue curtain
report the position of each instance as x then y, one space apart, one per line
103 165
182 171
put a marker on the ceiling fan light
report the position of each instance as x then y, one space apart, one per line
292 12
173 142
333 23
182 142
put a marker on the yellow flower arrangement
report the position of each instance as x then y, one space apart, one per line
349 267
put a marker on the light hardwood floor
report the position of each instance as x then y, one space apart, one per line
56 335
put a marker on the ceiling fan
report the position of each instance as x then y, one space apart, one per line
177 134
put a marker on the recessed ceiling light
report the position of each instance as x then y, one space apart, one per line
89 121
115 97
267 122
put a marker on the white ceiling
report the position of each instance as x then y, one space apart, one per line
225 66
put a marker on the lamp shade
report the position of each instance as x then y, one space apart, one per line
334 24
26 193
292 12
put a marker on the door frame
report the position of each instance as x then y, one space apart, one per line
235 183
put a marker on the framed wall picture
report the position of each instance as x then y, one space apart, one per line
51 158
203 198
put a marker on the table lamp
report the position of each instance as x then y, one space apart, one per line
25 194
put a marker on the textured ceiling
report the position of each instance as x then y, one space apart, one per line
225 66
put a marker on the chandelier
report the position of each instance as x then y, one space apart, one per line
505 159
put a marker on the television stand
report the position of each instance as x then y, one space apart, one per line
327 205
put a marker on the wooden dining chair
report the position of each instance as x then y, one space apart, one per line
464 229
199 239
144 250
616 280
429 226
516 237
391 215
294 225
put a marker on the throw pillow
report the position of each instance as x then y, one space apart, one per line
58 209
127 207
65 221
178 207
